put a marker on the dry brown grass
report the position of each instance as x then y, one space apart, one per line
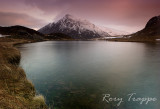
16 92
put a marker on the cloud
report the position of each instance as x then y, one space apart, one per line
122 13
50 6
8 19
126 12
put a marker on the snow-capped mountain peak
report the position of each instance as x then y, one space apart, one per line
71 22
74 27
73 18
79 28
68 16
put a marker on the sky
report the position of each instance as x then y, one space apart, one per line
125 15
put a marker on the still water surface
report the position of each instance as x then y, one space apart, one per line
76 74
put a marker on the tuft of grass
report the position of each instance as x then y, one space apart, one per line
39 99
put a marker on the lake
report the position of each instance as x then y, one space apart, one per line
78 74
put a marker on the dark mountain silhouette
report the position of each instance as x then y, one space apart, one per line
20 32
151 30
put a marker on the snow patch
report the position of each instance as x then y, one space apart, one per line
111 37
4 35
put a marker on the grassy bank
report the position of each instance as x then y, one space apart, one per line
16 92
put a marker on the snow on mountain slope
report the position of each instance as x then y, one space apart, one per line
75 27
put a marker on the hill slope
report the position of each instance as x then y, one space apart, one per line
151 30
20 32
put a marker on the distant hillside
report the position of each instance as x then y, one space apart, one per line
113 32
20 32
151 30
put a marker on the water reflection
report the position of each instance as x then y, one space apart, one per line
75 74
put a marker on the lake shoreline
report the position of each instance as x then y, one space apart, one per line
10 57
16 91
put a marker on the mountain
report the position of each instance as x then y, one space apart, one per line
113 32
151 30
20 32
75 28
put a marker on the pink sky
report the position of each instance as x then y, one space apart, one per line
126 15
